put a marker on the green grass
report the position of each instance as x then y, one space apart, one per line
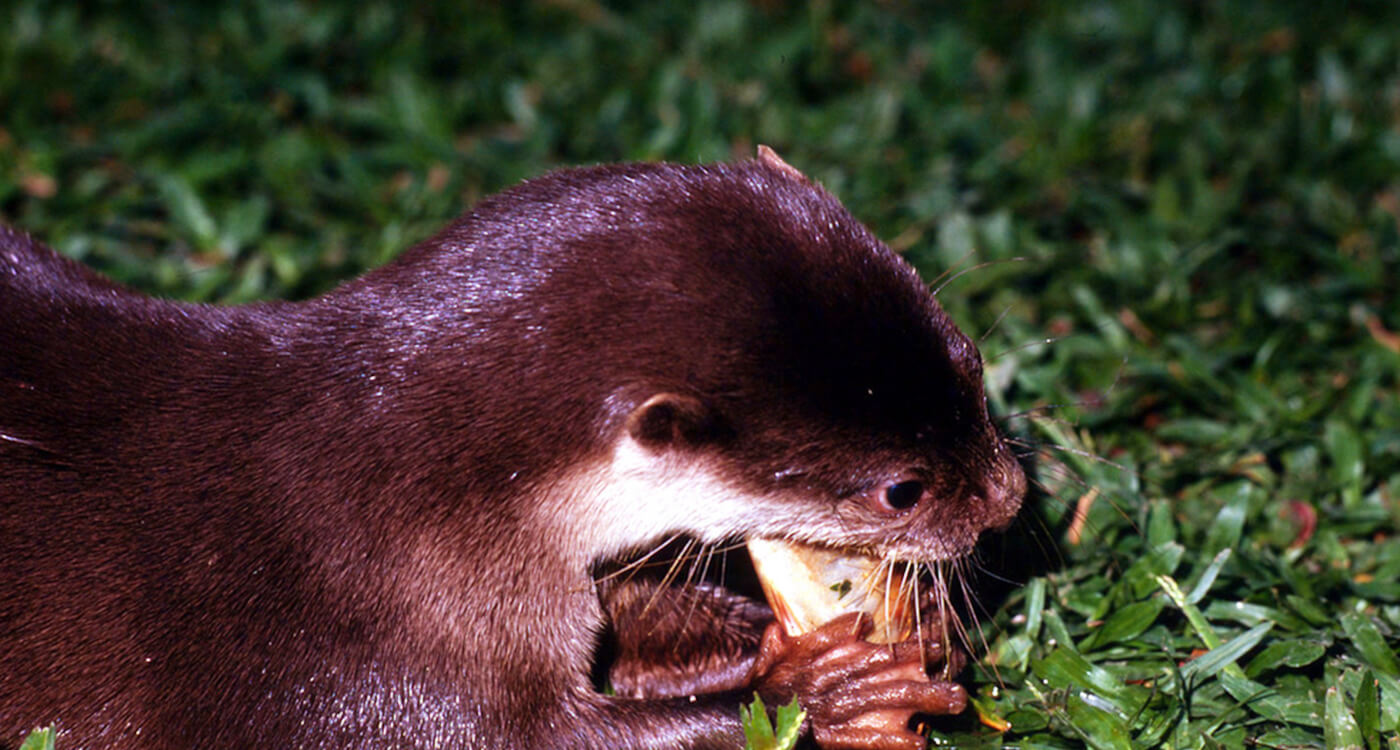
1196 204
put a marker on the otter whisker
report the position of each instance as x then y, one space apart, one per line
702 562
669 577
946 613
978 267
981 339
976 612
952 268
631 568
1035 412
1037 342
1046 448
918 615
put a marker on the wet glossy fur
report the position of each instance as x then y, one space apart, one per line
370 519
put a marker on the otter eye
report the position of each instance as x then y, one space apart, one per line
903 495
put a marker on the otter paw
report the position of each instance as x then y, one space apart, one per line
856 694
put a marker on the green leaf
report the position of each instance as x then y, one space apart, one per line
1141 577
758 729
1372 646
1291 738
1193 614
1161 529
1340 727
790 718
1225 655
1298 652
39 739
1194 430
1202 587
1348 467
1390 704
1224 532
1099 721
1065 667
1035 606
1271 703
1309 610
243 223
1368 711
188 211
1125 624
1253 614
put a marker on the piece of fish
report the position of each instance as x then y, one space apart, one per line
809 586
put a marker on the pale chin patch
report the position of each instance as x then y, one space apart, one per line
638 498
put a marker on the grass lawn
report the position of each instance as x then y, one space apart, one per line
1178 226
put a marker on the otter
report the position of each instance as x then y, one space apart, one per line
377 518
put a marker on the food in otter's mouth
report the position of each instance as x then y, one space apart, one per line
808 586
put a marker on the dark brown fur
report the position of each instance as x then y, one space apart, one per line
354 521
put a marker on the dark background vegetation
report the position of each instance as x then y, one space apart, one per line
1187 213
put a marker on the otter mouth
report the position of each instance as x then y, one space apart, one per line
807 586
687 617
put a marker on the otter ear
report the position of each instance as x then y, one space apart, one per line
674 420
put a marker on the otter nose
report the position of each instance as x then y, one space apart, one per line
1005 489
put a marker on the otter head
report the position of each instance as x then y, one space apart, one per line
786 376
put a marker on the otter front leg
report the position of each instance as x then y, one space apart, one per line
680 641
